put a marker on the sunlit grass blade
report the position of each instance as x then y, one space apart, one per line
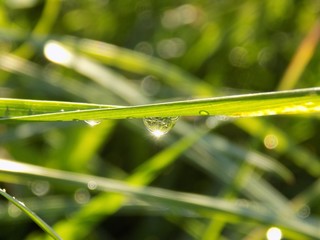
302 101
301 58
106 204
16 107
256 159
203 205
308 198
31 214
302 158
138 63
49 15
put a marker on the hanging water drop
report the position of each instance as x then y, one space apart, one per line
92 123
159 126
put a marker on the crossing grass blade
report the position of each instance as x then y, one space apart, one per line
201 205
301 101
31 214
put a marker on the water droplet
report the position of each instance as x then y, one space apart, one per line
3 190
22 203
203 113
92 123
159 126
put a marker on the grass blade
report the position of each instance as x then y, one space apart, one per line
202 205
300 101
31 214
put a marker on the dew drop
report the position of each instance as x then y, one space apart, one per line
203 113
92 123
159 126
22 203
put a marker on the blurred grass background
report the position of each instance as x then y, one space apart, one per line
142 51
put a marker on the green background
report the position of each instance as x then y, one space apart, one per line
252 173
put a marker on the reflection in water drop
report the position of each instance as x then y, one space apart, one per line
159 126
92 123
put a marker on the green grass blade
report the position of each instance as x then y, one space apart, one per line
202 205
302 101
299 155
136 62
31 214
107 204
16 107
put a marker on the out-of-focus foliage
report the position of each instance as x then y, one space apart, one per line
264 170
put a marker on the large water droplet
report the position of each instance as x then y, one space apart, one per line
92 123
159 126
